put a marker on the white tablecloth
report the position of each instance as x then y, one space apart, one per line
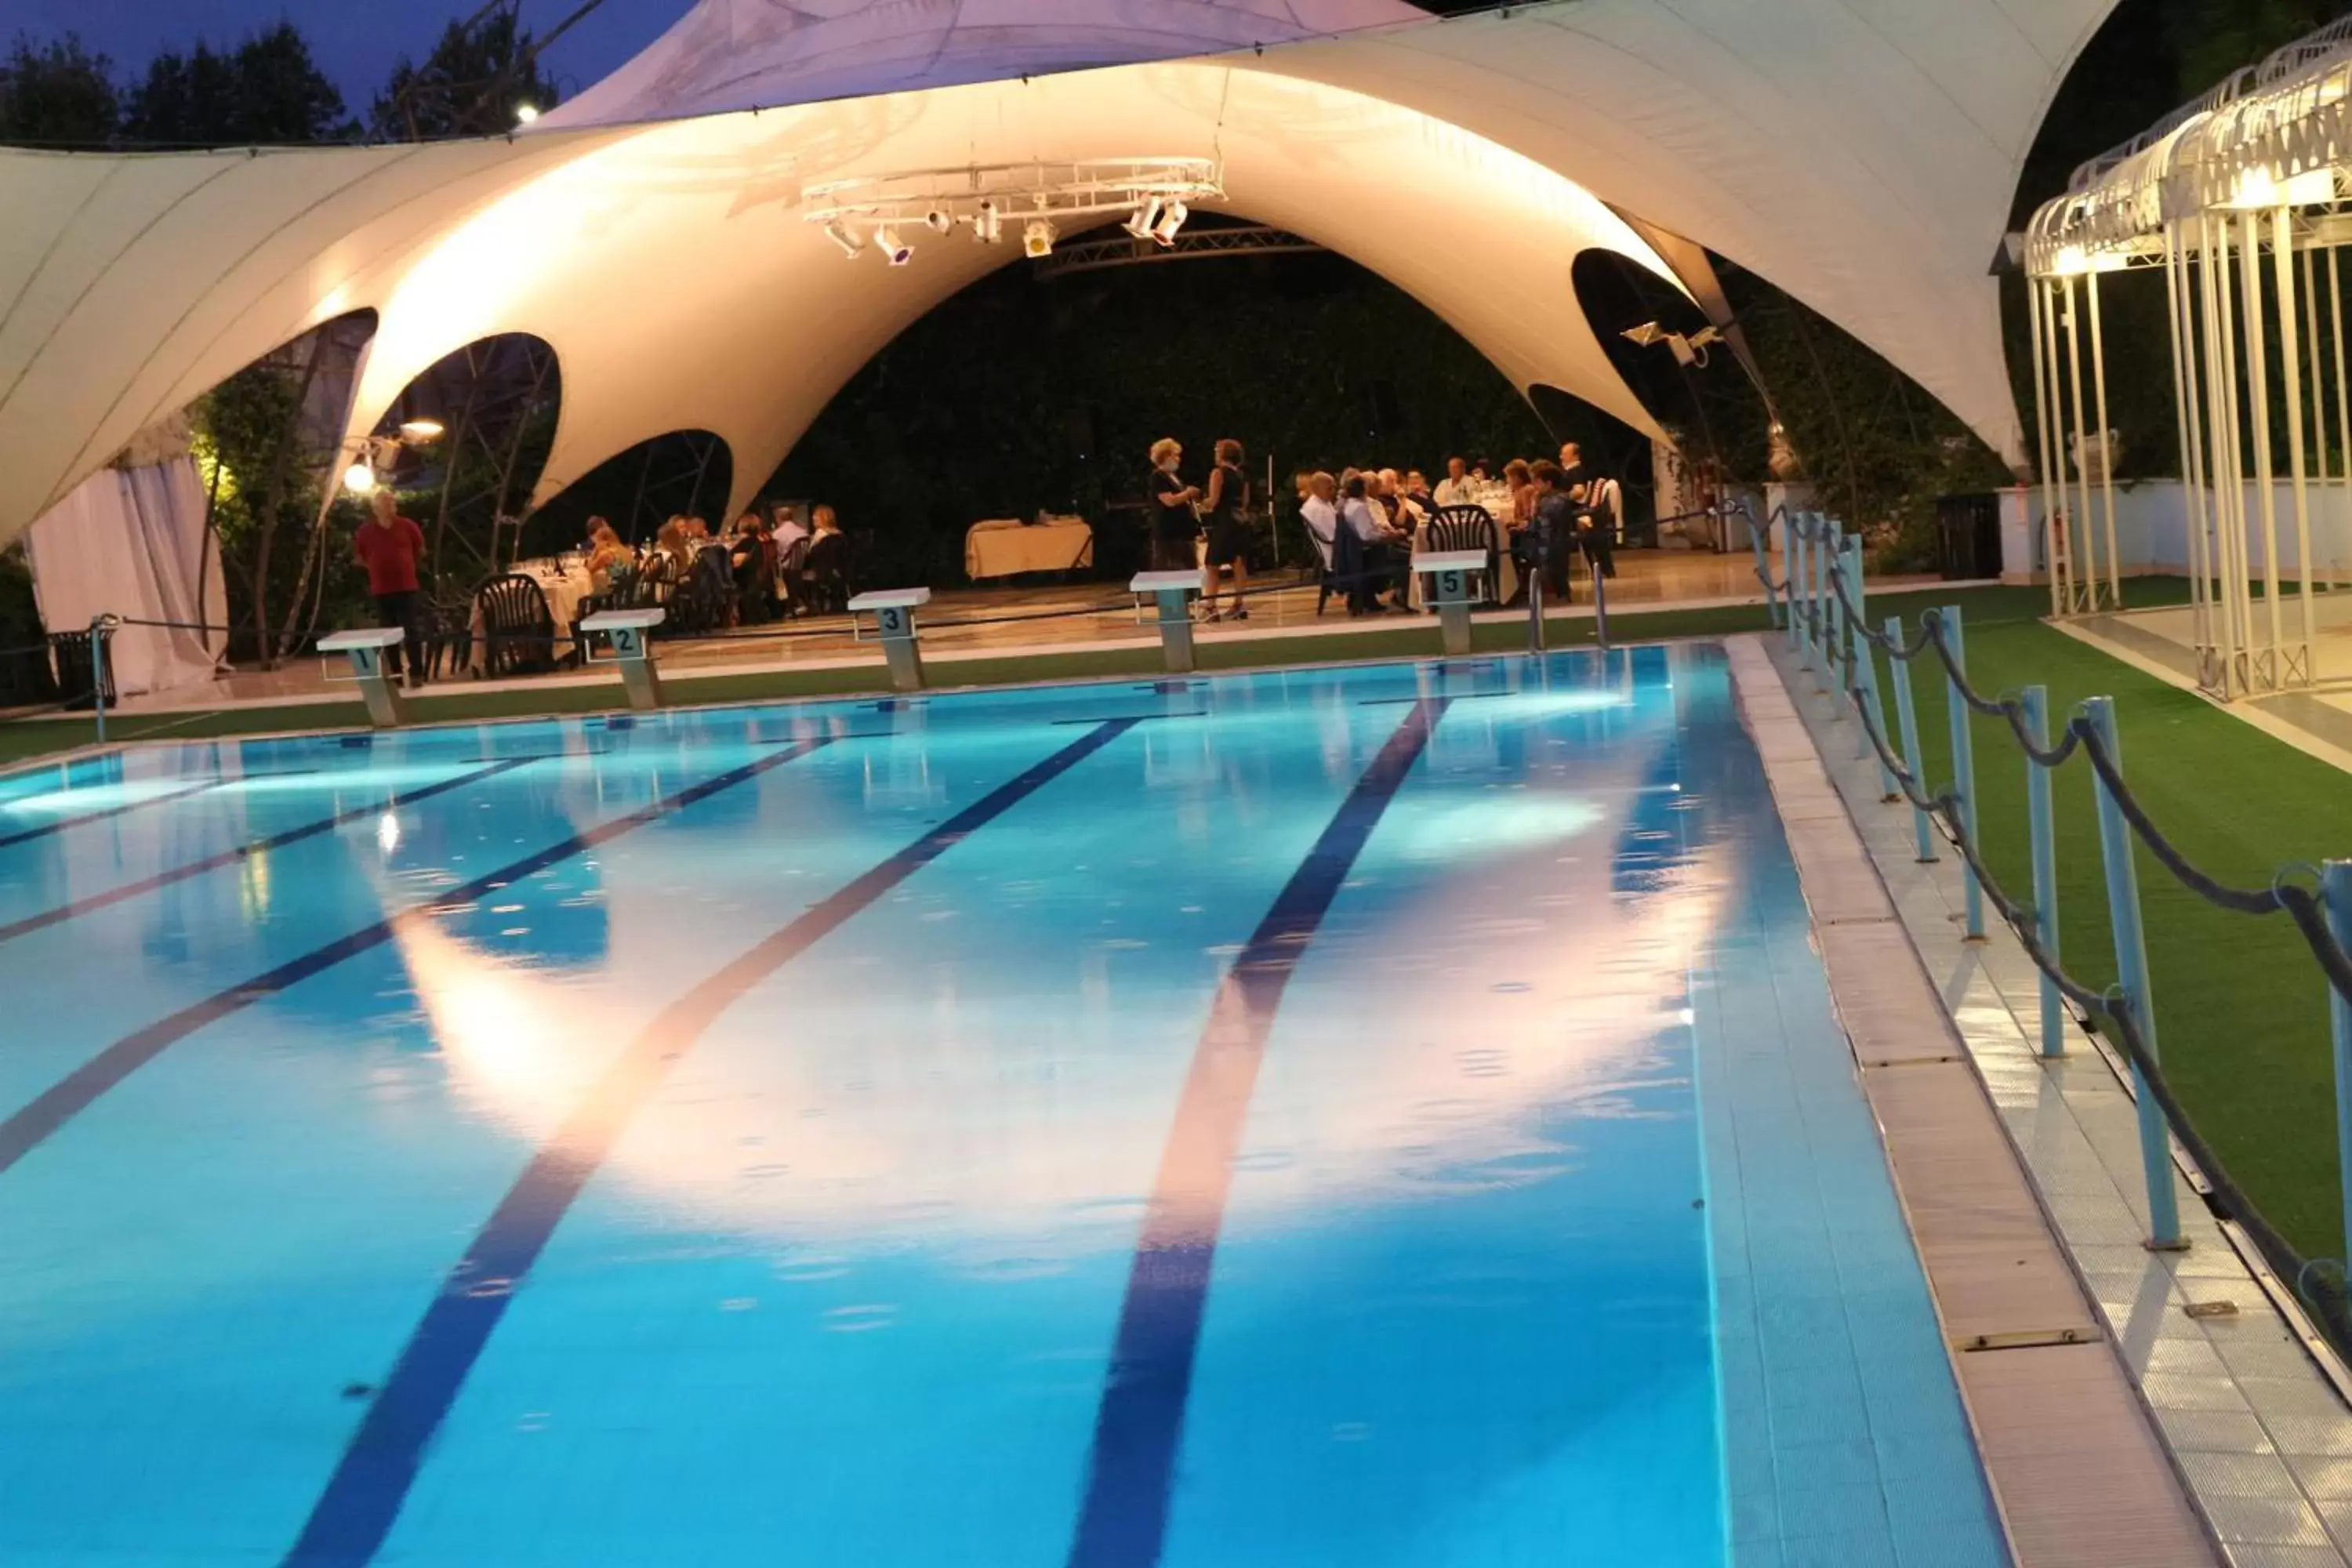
1000 549
564 590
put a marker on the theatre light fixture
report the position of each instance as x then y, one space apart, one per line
1171 222
1047 199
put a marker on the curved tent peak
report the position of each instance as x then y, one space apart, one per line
730 55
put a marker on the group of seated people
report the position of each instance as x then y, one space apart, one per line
768 566
1545 513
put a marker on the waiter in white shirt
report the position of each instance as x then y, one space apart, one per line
1457 489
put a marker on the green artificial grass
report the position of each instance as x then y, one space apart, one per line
2241 1007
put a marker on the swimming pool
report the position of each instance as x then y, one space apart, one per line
1374 1116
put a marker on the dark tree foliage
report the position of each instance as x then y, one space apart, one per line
482 71
58 95
1020 395
265 90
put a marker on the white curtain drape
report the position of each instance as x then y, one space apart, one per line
132 542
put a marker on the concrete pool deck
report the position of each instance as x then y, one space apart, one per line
2099 1444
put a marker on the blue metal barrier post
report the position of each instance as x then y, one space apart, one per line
2336 887
1800 588
101 626
1907 715
1758 542
2131 968
1862 666
2045 868
1832 615
1964 759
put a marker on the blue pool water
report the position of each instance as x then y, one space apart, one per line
1380 1116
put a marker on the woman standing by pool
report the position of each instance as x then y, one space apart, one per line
1174 525
1224 513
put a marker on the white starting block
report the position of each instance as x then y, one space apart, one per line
1172 590
1446 575
632 648
893 610
367 648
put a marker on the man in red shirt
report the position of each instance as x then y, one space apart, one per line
392 547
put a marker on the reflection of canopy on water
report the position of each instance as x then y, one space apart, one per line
870 1098
1861 153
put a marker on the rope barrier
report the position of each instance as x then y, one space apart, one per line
2319 1283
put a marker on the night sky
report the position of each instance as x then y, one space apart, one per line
355 40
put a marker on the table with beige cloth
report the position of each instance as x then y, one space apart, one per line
1006 546
564 586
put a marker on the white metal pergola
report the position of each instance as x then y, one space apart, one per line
2240 199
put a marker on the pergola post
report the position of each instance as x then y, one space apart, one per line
2188 425
2264 664
2297 670
2106 452
2082 582
2045 443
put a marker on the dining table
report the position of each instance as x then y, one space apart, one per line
564 579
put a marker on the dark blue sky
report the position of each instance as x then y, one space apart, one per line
355 40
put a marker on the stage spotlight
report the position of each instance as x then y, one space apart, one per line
851 245
894 250
938 221
1146 216
988 224
1171 220
1037 240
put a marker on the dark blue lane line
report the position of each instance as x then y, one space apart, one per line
26 1131
47 917
1140 717
50 829
371 1484
1123 1521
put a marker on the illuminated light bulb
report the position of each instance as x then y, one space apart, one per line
525 113
360 479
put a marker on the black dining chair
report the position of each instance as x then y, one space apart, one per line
1463 528
518 629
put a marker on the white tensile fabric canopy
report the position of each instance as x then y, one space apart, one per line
1861 153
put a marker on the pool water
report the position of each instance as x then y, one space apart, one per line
1371 1116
